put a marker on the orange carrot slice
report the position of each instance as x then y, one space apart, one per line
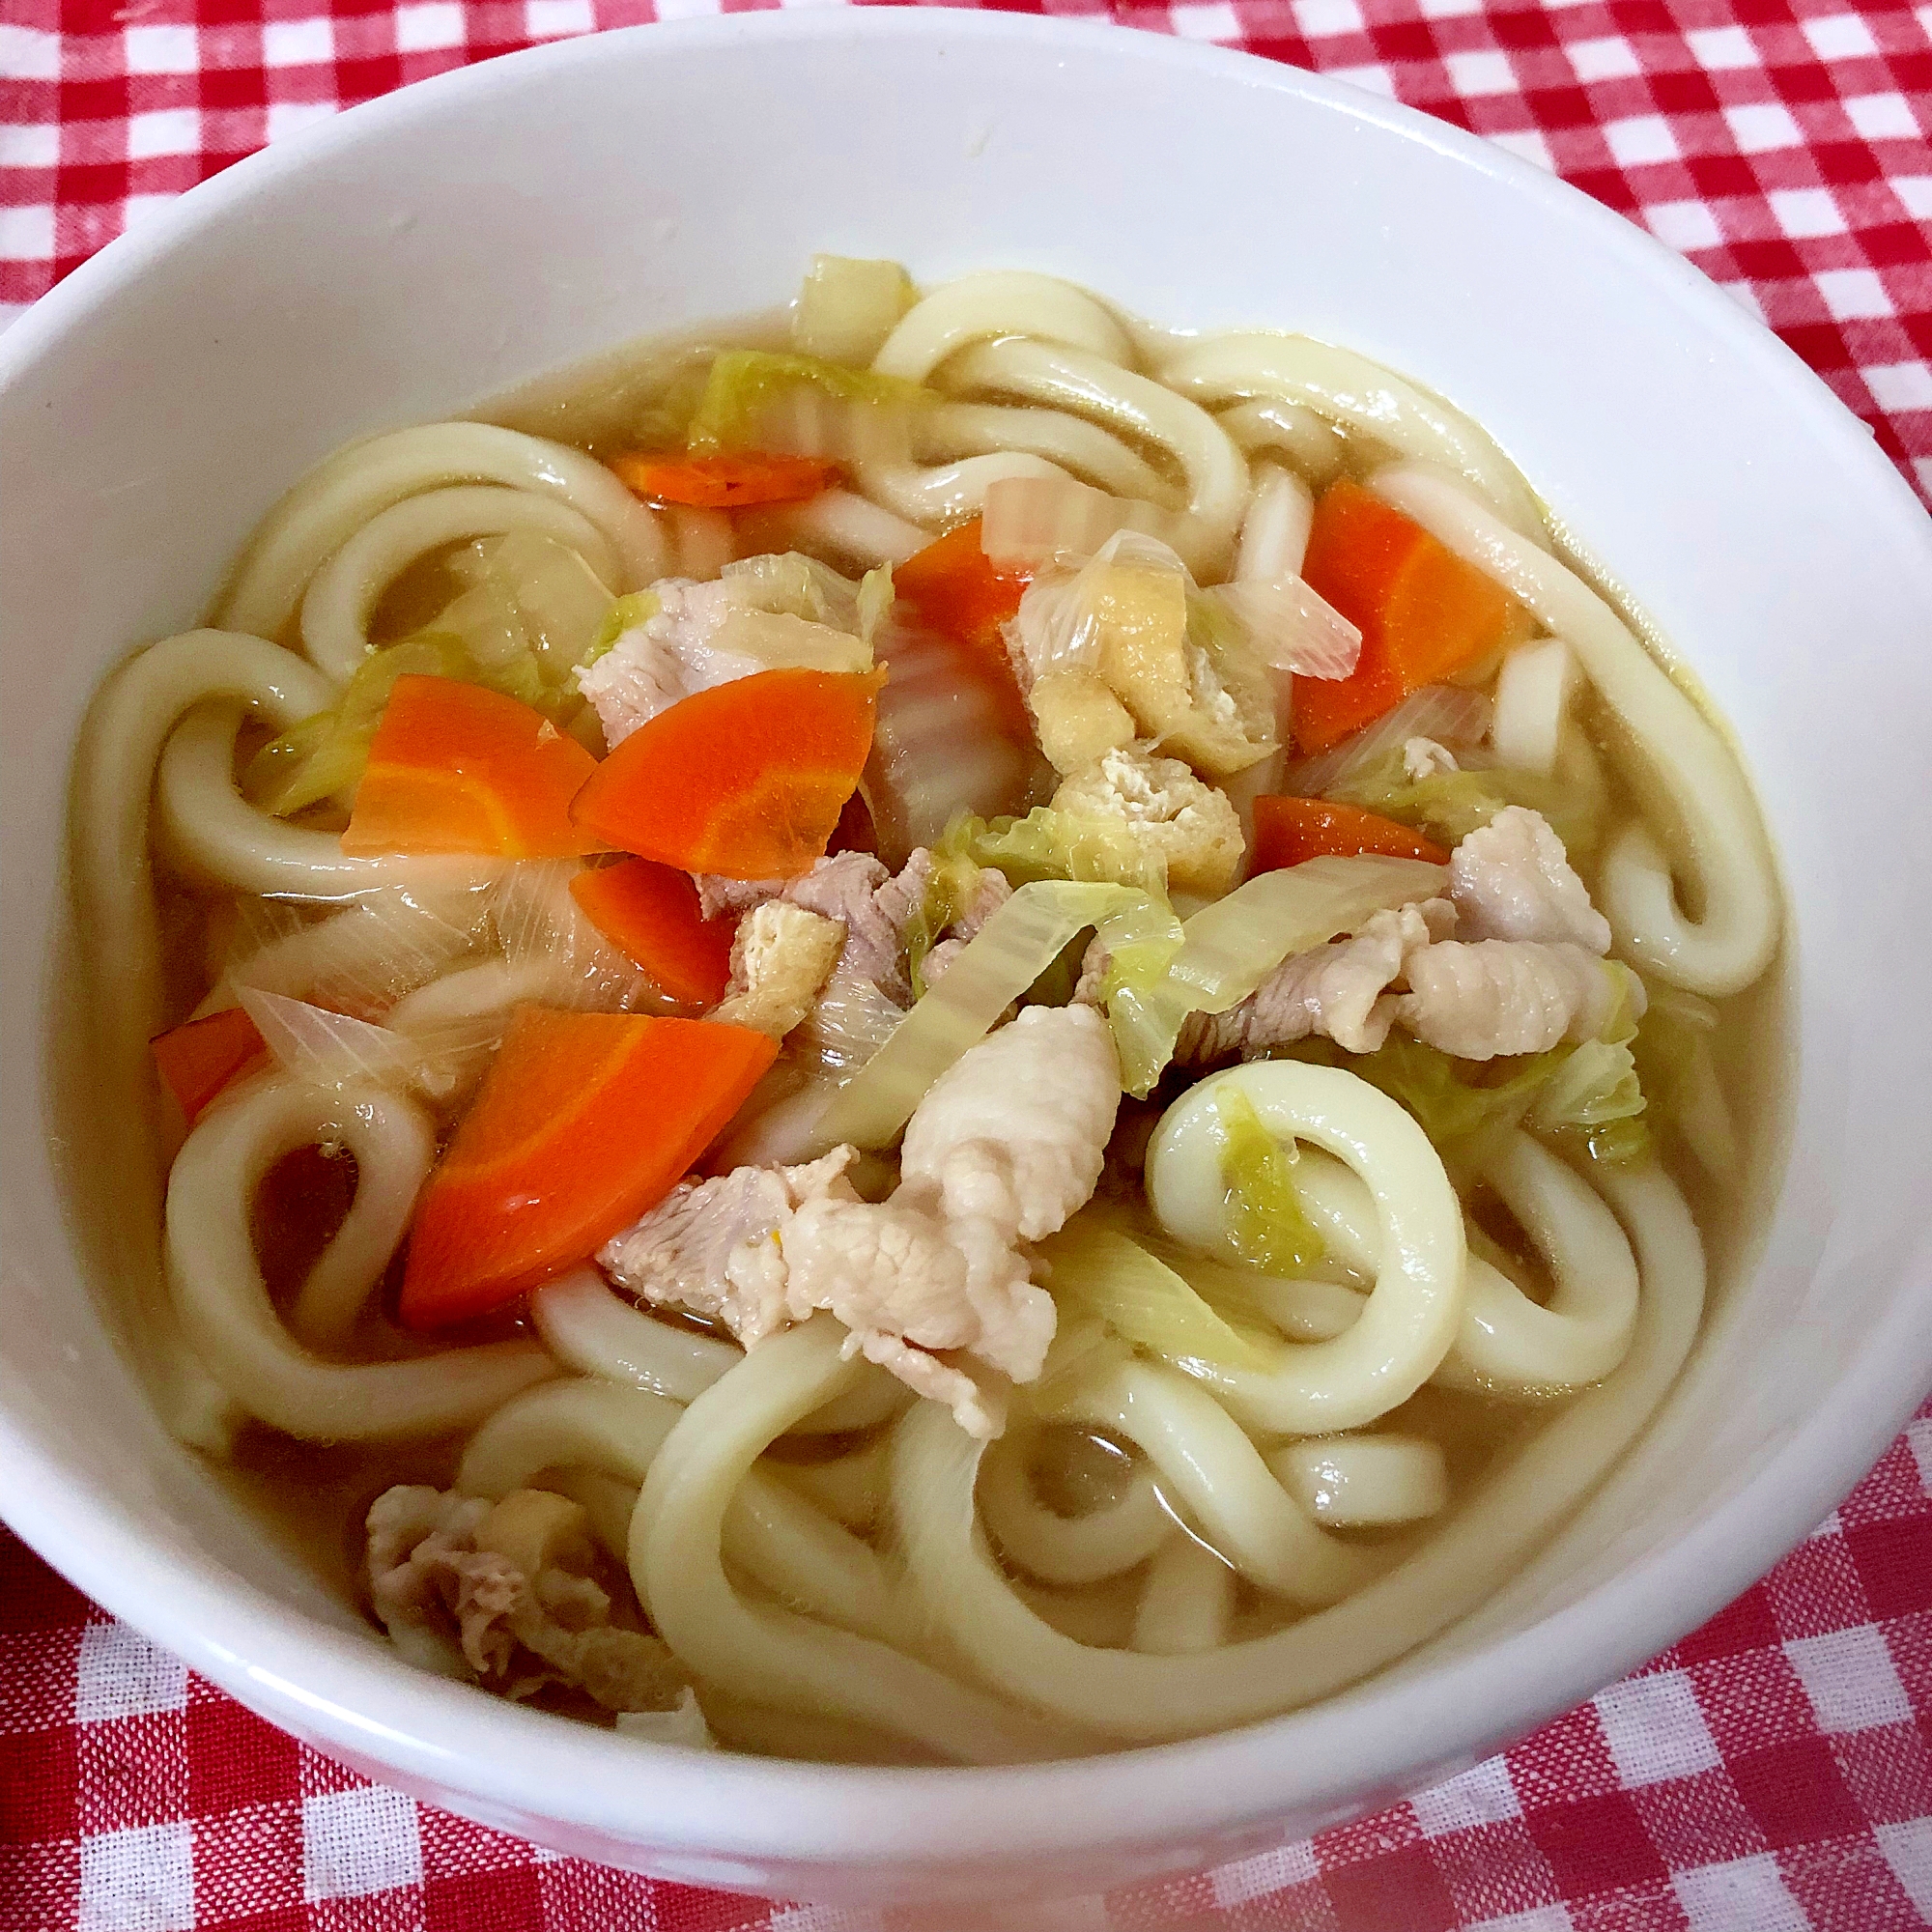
951 588
725 482
747 778
456 768
651 912
584 1122
1290 830
1423 613
199 1058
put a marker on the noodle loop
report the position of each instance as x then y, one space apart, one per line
224 1303
1410 1318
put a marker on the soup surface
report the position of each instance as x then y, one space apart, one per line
937 1030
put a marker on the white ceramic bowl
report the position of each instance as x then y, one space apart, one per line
443 243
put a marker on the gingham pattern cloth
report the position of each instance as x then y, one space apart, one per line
1772 1773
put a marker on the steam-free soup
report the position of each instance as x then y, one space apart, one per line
945 1031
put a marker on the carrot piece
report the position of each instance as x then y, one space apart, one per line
723 482
584 1122
456 768
1423 613
747 778
952 588
651 913
1290 830
199 1058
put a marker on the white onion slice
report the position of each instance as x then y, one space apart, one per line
330 1049
1289 627
1447 713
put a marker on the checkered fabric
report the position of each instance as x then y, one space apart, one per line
1772 1773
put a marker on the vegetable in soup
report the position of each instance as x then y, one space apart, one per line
949 1033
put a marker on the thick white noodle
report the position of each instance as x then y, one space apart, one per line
1534 690
1309 1309
1721 849
209 828
875 1397
998 302
844 527
947 430
1505 1343
1141 1698
1359 1481
1349 389
949 492
1312 445
596 1333
223 1301
1216 1474
590 1327
1274 531
1130 405
1066 1549
850 1489
1187 1600
770 1531
342 594
762 1652
1409 1319
342 493
120 745
1510 1343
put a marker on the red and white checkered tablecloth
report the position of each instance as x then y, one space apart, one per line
1772 1773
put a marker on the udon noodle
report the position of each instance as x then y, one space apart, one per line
1173 1182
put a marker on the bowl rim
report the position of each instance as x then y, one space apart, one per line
512 1766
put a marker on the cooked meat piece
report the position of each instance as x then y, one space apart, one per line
1016 1130
667 658
1498 996
720 898
1339 990
708 634
1513 880
874 906
705 1246
932 1282
502 1594
902 1268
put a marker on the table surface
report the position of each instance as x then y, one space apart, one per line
1771 1773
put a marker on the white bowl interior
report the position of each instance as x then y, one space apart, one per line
456 240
